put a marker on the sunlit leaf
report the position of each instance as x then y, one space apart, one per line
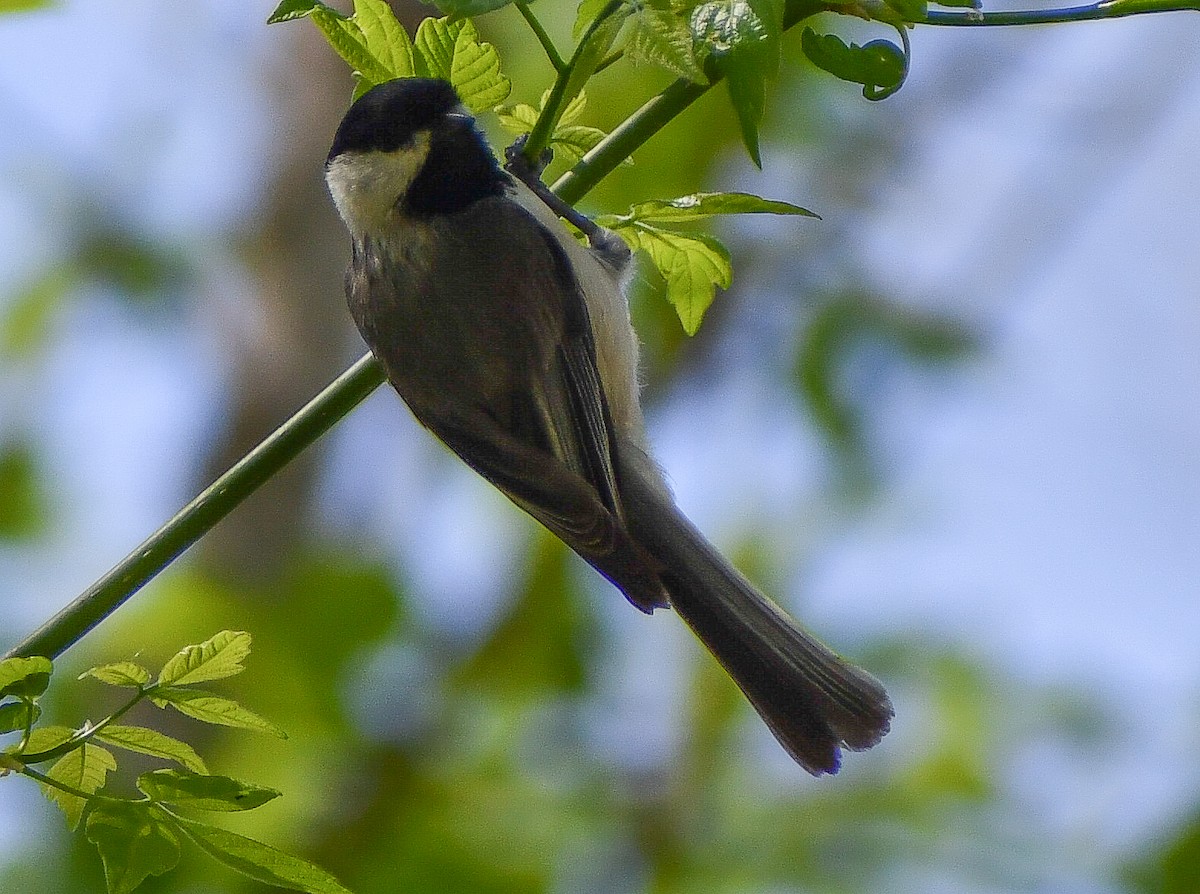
693 265
45 738
662 38
119 673
134 843
152 742
216 658
214 709
731 33
261 861
204 792
700 206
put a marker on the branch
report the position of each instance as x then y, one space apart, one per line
1112 9
162 547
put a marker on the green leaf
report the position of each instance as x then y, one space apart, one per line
22 5
574 141
260 861
119 673
214 709
84 768
700 206
518 118
204 792
29 313
660 37
44 738
214 659
586 14
692 264
292 9
453 52
134 843
385 38
152 742
469 7
732 34
374 49
26 677
22 501
475 71
18 715
880 66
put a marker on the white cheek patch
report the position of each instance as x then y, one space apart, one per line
366 185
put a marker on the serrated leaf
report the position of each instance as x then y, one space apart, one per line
700 206
434 44
518 119
134 843
732 34
119 673
214 659
27 677
202 791
385 37
452 51
18 715
692 264
214 709
84 768
574 108
660 37
475 71
575 141
349 42
260 861
154 743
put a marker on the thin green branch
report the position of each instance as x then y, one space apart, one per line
82 737
77 792
1114 9
543 38
198 517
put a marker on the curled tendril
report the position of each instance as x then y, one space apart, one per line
888 52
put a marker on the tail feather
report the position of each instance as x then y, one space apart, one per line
812 700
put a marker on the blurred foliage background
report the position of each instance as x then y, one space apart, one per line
471 709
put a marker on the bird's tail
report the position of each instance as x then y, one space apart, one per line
813 701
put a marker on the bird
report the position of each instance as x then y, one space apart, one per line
511 341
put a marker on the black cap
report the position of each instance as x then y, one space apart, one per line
387 117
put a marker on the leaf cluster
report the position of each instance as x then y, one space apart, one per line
141 837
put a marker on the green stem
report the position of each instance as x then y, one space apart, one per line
565 86
82 738
1113 9
543 38
198 517
77 792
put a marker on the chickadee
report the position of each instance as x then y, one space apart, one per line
511 342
